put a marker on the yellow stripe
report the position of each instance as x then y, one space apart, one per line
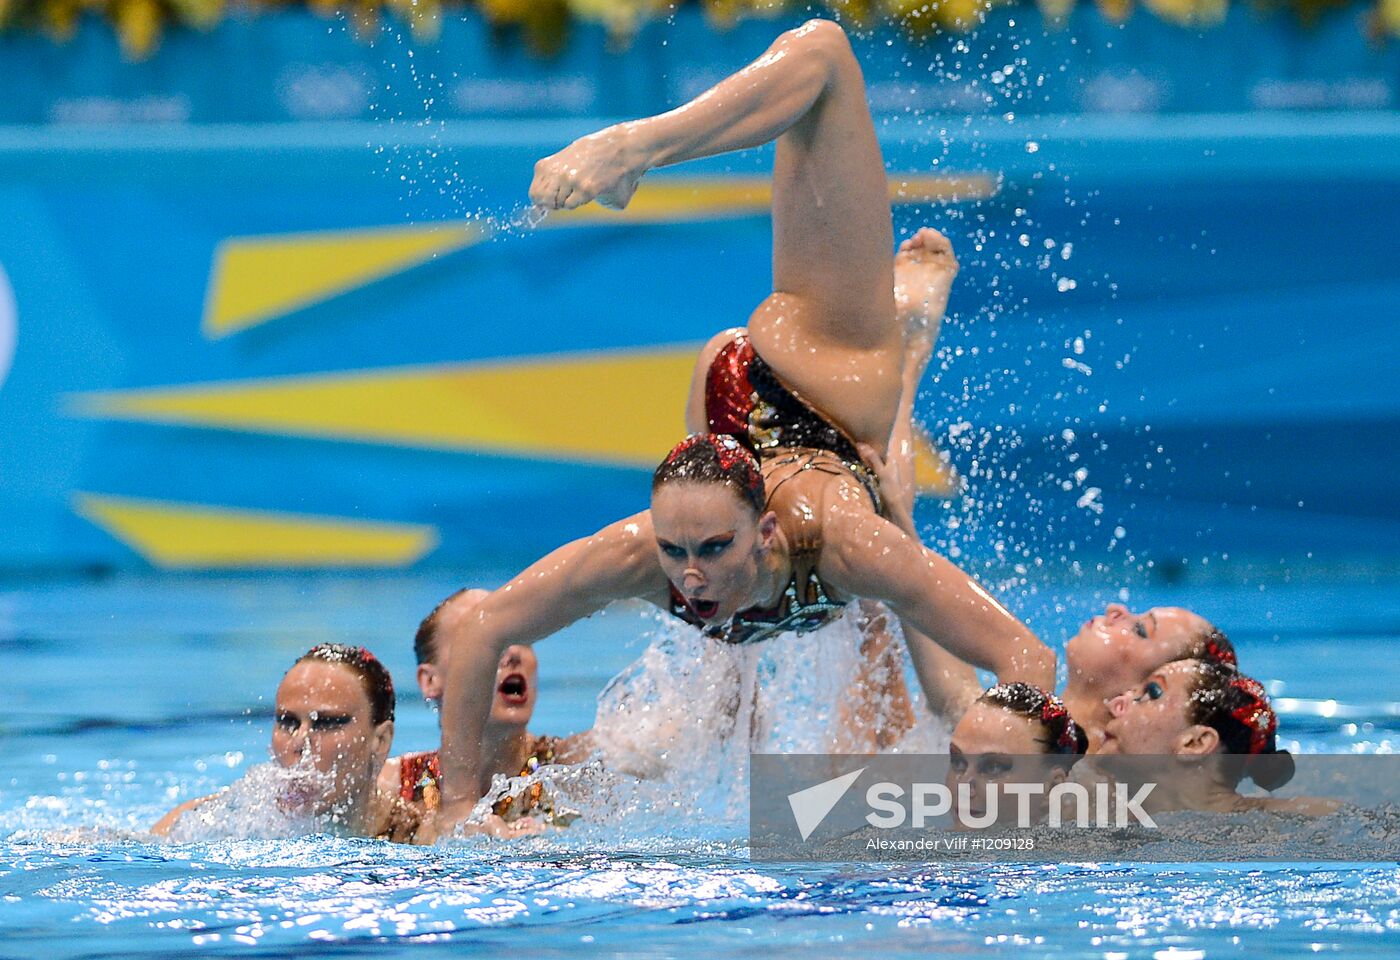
257 279
618 408
174 535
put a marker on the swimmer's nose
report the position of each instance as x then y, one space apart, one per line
1116 611
1119 704
692 579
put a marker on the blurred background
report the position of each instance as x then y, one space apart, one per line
271 296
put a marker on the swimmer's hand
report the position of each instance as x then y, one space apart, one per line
605 166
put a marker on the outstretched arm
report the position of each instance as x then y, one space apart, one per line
572 582
867 556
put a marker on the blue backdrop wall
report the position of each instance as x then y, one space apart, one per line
346 343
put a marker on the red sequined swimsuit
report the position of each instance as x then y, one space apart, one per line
744 396
420 781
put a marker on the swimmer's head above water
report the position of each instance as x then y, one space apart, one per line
516 674
1017 719
713 530
335 715
1013 733
1198 708
1118 648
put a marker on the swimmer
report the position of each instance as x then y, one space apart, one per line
1013 733
746 550
334 722
1118 649
334 715
510 750
1194 709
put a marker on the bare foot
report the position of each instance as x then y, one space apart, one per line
924 269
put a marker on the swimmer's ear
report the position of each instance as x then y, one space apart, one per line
1198 741
767 530
381 741
430 681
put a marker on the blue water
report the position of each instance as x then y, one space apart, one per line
125 697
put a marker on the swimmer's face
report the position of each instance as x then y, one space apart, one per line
1121 647
1152 718
323 720
994 745
711 546
515 686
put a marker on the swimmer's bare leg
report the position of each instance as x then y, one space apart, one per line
924 270
829 327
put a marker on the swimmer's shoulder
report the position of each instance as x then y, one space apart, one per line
167 823
390 776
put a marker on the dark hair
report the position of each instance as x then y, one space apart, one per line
1061 734
425 640
373 677
714 458
1211 646
1237 708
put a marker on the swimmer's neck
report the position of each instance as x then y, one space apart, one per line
1087 703
1194 787
1088 708
774 572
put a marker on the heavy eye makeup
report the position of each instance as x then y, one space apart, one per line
319 721
330 721
714 547
1151 690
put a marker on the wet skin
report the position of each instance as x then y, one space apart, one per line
993 745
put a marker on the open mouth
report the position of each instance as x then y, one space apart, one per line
514 689
704 609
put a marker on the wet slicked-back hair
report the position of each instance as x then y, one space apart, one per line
714 458
1061 734
1238 709
1211 646
425 640
373 676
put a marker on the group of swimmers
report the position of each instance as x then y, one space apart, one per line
790 500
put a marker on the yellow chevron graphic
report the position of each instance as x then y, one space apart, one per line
257 279
619 408
932 476
176 536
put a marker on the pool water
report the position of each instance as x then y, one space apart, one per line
126 697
